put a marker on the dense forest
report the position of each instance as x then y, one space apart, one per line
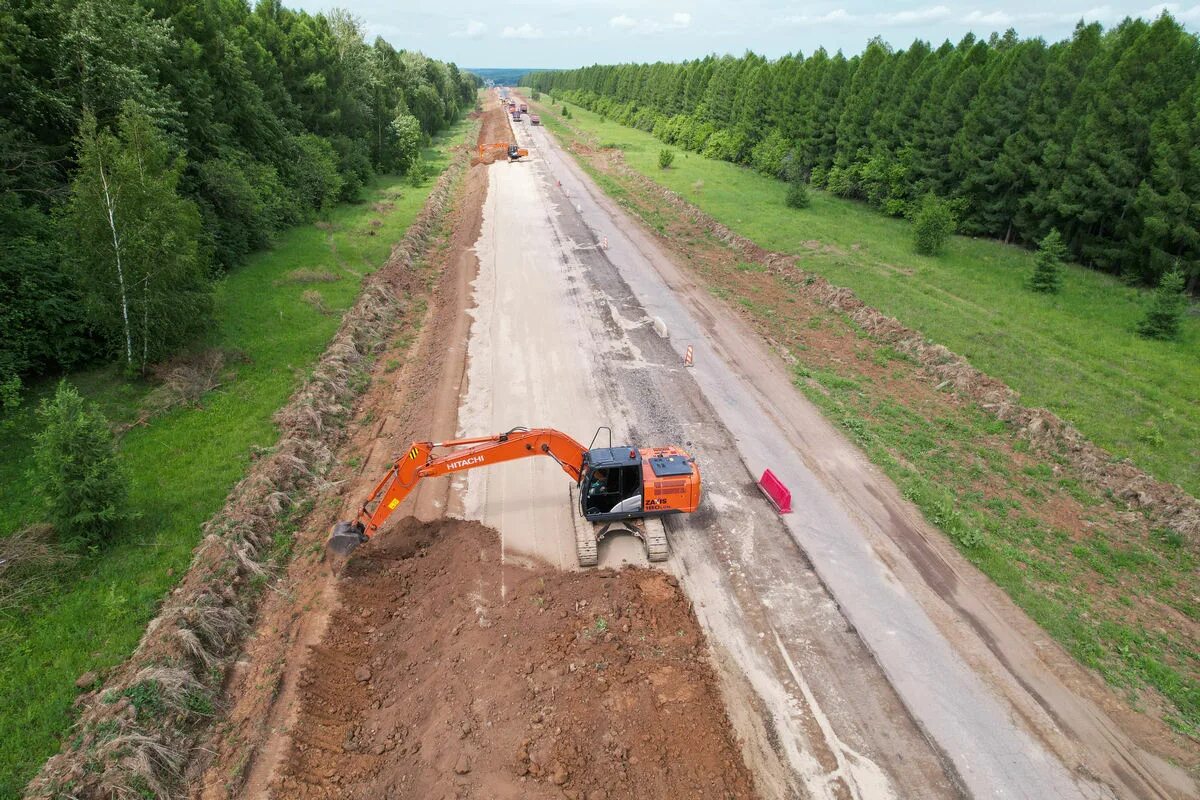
1097 137
147 147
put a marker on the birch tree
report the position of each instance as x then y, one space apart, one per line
138 266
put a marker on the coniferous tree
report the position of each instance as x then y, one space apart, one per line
79 474
797 193
1164 317
1048 264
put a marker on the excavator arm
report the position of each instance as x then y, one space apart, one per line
419 462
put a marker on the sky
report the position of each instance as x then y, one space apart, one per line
543 33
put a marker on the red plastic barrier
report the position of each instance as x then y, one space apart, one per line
776 492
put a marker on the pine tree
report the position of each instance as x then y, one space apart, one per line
985 179
797 193
1164 317
79 474
1047 271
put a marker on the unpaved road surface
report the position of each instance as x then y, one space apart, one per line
459 659
429 666
1003 725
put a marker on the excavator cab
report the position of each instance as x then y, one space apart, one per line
626 482
612 484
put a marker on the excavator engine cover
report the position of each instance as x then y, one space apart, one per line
345 537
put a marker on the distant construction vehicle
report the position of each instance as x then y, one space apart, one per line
534 119
613 489
515 152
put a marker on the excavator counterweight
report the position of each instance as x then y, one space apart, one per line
614 487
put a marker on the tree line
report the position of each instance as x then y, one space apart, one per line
1096 137
147 146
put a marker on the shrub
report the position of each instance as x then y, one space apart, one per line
312 172
10 400
933 224
419 172
665 158
797 193
770 156
1047 270
1165 316
78 471
535 95
726 145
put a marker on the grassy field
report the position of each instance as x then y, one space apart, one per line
1075 353
183 464
1116 593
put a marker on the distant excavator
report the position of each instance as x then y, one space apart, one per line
515 152
613 489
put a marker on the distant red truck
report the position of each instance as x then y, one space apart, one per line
524 108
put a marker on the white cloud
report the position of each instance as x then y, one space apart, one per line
473 30
840 16
1175 9
989 18
913 16
522 31
623 22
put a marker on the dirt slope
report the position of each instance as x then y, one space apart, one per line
431 684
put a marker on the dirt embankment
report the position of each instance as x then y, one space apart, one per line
137 734
437 682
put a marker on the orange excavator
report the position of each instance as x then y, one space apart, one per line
613 489
515 152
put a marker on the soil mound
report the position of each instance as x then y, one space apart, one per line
446 674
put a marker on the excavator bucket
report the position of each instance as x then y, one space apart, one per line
345 537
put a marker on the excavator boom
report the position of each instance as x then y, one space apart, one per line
419 462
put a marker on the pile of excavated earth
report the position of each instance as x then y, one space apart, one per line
439 678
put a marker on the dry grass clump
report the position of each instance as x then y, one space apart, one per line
306 275
1166 504
133 735
27 559
314 299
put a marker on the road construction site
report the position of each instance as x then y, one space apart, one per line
463 652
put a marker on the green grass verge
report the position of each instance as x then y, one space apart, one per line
1075 353
1103 596
183 464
